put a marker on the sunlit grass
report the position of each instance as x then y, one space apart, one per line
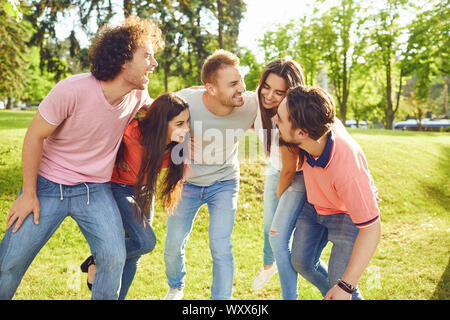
410 169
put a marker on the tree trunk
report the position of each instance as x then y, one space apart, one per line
166 77
127 8
220 22
9 103
343 105
389 109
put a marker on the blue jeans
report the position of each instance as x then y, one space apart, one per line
280 216
139 238
312 233
93 207
221 198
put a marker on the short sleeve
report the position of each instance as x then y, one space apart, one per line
360 197
58 104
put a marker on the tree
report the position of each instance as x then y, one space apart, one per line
229 15
165 13
248 60
388 50
428 52
44 15
13 51
342 51
298 40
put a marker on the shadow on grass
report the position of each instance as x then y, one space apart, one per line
442 291
10 180
439 189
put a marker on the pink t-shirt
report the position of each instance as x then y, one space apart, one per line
84 146
339 181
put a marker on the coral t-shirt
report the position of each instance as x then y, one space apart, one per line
132 156
339 181
83 147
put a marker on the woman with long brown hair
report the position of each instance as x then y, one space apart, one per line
150 144
284 188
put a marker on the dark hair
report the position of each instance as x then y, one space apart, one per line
214 62
113 46
153 130
291 72
311 109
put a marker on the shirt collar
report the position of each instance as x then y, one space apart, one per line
325 158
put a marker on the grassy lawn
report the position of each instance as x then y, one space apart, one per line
410 169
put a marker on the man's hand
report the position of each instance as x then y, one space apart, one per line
21 208
28 201
336 293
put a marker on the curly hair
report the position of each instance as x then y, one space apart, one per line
113 46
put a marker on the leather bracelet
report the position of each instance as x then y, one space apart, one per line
346 286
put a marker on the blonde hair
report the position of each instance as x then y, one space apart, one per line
215 62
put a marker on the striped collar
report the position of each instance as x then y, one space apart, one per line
325 158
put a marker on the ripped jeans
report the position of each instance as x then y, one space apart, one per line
280 216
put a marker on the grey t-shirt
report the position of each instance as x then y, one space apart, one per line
216 138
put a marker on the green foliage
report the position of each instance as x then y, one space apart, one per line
38 82
368 54
13 50
428 52
253 68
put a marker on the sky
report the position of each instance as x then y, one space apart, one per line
263 15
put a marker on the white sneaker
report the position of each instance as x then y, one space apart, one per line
264 276
174 294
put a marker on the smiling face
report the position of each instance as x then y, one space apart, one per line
178 127
281 119
229 86
273 91
136 71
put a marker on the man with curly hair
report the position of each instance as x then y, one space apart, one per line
68 157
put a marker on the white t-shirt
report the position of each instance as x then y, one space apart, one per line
275 154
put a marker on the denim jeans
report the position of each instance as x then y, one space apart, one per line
280 216
312 233
221 198
93 207
139 238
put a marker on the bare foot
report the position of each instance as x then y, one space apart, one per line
92 269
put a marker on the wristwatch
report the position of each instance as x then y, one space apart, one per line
346 286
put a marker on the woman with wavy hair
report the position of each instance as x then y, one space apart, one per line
149 145
284 188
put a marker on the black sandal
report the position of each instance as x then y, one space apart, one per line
85 267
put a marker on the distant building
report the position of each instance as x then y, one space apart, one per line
426 123
353 124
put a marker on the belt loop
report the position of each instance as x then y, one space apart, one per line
87 192
60 191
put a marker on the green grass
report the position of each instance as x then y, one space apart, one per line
410 169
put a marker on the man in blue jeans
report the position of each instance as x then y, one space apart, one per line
68 157
220 115
343 202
